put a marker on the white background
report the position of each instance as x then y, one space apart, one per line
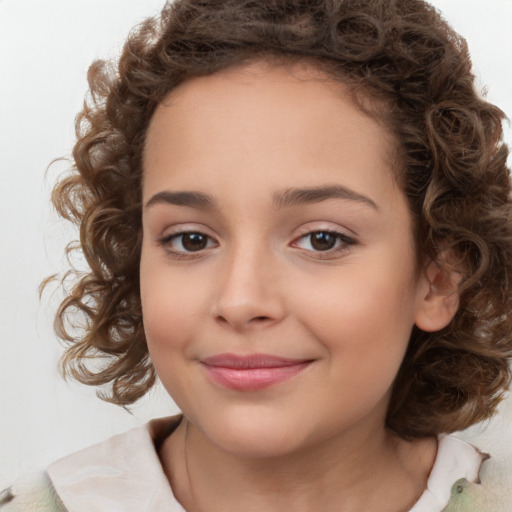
45 49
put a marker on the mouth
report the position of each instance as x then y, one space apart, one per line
252 372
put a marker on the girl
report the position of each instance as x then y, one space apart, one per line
297 215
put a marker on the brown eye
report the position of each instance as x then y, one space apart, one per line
194 241
186 242
323 240
325 244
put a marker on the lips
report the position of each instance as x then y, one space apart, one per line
252 372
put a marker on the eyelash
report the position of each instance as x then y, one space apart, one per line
342 241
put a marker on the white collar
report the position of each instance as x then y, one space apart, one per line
455 460
121 474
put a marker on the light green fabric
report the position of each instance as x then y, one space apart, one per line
33 493
491 495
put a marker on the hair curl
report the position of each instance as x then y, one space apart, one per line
453 172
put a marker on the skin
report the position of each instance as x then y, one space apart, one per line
316 441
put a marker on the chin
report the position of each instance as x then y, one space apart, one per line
254 434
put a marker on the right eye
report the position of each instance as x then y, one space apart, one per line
186 242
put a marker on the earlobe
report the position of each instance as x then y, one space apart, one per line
439 297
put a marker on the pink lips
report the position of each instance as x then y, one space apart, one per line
252 372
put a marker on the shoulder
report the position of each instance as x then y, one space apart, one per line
463 479
488 495
490 492
31 493
121 474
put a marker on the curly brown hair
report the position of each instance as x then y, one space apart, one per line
452 170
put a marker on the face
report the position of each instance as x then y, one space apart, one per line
277 273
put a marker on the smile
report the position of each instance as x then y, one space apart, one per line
253 372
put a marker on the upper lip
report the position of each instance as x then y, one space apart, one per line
250 361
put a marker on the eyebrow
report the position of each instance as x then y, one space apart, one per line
184 198
299 196
282 199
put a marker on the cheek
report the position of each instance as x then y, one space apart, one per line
169 307
364 316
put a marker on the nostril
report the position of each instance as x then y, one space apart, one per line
251 321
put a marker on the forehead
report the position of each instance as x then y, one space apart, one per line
264 116
298 89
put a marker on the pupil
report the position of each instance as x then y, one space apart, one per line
323 241
194 241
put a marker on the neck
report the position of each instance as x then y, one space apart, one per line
358 471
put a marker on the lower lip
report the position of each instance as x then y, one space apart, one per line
253 379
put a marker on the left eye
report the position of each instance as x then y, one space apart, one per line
192 241
321 241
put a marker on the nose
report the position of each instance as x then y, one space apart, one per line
250 294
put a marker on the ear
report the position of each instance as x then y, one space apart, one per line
438 299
